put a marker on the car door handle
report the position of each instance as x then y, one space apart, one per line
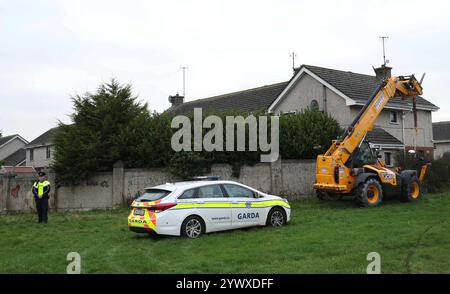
234 202
200 202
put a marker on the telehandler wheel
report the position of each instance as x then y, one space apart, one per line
411 192
369 193
326 196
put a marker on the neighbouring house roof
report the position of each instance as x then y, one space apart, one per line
379 136
16 158
356 88
43 140
6 139
441 131
246 100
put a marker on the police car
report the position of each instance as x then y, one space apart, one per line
204 205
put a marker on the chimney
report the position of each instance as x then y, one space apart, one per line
176 100
383 72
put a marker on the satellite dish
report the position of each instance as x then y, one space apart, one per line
387 61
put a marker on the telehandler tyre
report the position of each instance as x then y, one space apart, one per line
411 191
369 193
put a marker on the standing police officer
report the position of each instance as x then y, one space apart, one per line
41 190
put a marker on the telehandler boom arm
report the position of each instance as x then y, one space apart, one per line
402 86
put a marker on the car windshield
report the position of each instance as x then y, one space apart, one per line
153 195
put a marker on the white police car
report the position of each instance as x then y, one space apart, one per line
205 205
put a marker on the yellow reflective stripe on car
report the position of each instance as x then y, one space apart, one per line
239 204
231 204
219 204
184 205
270 203
213 204
200 205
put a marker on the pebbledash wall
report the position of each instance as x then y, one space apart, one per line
292 179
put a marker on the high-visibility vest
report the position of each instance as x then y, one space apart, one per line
40 187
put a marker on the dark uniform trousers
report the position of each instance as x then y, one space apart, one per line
42 209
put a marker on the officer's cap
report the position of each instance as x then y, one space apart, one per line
41 174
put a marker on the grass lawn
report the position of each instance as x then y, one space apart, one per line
321 238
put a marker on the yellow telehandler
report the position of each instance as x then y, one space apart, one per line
352 167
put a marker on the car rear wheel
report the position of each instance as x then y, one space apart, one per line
276 217
193 227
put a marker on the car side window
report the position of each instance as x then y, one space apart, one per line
188 194
211 191
238 191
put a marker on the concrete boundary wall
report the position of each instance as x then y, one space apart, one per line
292 179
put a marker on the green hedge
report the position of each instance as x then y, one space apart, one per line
298 135
437 177
111 125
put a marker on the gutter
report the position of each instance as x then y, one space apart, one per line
38 145
395 107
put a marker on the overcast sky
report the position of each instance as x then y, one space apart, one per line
51 50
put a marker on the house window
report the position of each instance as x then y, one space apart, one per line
31 154
314 105
393 117
388 158
47 152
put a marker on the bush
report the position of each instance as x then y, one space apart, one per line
108 126
437 177
299 134
307 134
188 164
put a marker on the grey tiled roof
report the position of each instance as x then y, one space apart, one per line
44 139
247 100
380 136
5 139
359 87
441 130
15 158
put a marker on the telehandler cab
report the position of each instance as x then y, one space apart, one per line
351 167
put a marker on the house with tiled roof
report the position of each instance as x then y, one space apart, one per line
441 138
40 151
341 94
11 150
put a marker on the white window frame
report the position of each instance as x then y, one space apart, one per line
48 152
391 112
390 158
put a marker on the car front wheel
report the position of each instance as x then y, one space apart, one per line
193 227
276 217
